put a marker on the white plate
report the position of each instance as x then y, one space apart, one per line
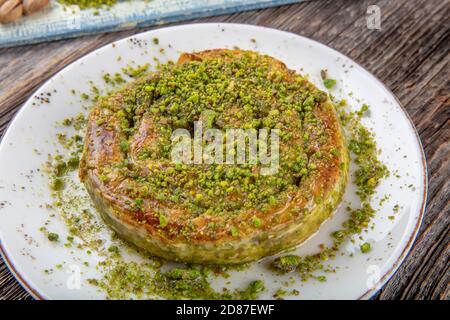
28 253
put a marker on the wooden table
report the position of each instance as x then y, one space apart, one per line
410 54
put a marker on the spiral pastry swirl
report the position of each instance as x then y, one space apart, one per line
203 211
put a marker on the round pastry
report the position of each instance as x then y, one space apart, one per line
212 212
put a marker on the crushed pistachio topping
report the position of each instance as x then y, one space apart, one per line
365 247
327 82
244 93
127 280
85 4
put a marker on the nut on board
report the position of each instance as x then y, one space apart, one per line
32 6
13 10
10 10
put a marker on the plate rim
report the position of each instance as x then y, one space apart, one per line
369 294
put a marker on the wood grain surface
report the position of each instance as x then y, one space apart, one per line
410 54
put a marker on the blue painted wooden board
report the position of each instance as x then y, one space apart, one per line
58 21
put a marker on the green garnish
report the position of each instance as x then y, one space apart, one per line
234 231
365 247
163 221
329 83
256 222
53 236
